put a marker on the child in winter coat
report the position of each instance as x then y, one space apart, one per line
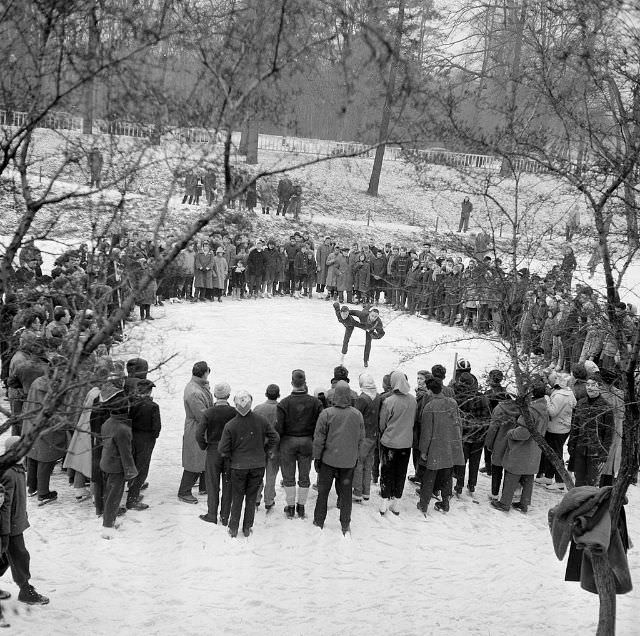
13 523
117 458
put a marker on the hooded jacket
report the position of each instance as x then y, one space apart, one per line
339 431
560 404
397 414
503 419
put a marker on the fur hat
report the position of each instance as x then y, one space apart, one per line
242 401
298 378
221 391
438 371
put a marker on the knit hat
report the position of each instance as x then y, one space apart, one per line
272 392
367 382
10 442
298 378
242 402
463 365
221 391
591 367
438 371
137 368
340 373
144 385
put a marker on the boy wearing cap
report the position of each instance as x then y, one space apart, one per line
243 442
269 410
208 437
297 417
145 428
117 458
13 523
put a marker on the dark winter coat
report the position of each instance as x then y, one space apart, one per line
474 408
298 414
592 428
370 409
13 513
49 446
214 419
504 418
285 189
256 263
203 272
400 267
441 434
339 432
304 264
244 440
522 456
271 263
116 447
378 269
145 417
361 276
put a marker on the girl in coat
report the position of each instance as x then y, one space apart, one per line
203 274
147 296
332 274
238 268
361 279
220 273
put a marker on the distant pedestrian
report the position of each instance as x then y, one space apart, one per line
465 214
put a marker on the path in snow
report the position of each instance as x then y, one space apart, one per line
474 571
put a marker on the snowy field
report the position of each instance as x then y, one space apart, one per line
473 571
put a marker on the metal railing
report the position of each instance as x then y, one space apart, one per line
59 120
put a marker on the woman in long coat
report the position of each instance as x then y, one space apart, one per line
203 273
197 399
321 260
343 276
220 273
332 275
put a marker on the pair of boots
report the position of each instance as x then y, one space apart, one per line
292 508
391 504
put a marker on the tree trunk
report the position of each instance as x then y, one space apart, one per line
89 88
374 181
252 142
506 168
607 593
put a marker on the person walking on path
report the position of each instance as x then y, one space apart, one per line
243 442
337 445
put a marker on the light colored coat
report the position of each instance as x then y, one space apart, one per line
79 451
321 260
560 405
203 273
397 414
197 399
615 399
220 271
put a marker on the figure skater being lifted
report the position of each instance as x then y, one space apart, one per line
368 319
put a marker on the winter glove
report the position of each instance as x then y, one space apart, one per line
316 464
336 305
4 543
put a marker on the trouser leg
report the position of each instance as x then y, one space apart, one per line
487 461
142 449
345 341
509 486
367 347
112 496
238 489
496 479
345 481
187 482
253 482
426 488
19 560
271 474
527 489
44 476
325 480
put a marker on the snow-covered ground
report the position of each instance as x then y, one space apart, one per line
473 571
